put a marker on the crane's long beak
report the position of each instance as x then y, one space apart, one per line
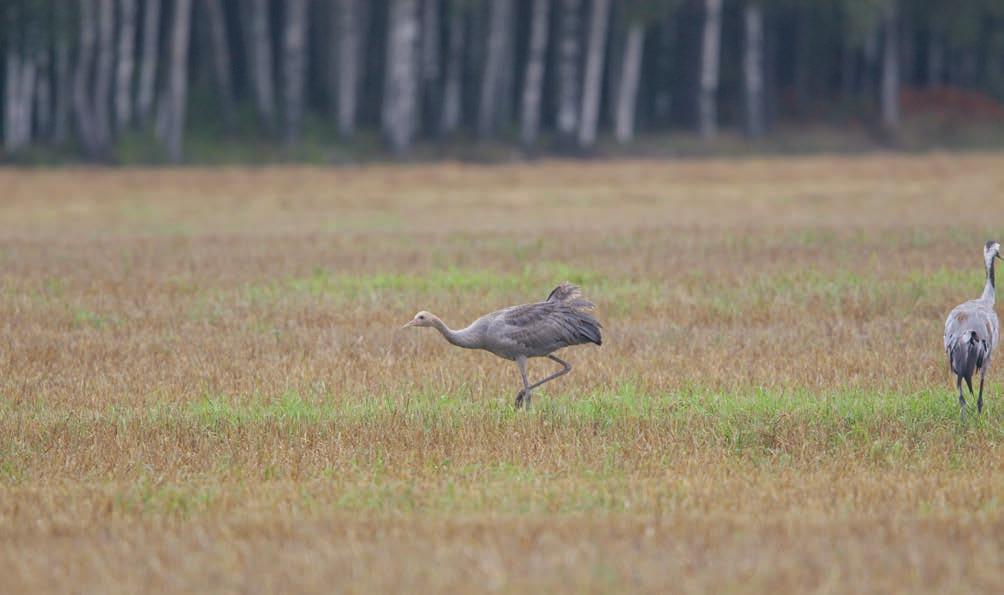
410 323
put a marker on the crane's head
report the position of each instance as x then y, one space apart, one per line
423 318
992 250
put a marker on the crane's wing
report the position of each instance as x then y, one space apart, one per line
973 316
541 328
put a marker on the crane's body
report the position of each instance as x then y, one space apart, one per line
972 332
527 331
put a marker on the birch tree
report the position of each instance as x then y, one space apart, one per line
753 71
400 81
890 68
593 82
260 50
83 111
707 109
533 76
222 62
568 68
294 49
349 29
491 80
174 98
149 60
452 111
126 64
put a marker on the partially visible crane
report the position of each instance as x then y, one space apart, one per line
972 331
531 330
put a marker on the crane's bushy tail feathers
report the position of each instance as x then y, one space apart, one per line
570 295
967 357
582 321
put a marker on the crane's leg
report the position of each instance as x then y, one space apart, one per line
523 396
962 400
565 369
979 402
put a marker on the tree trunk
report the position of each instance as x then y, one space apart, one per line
491 80
43 95
848 60
890 70
568 69
174 99
753 69
148 65
935 60
593 82
533 83
868 73
64 92
19 87
82 109
349 44
125 66
801 73
453 86
221 58
710 45
261 62
627 91
103 76
400 84
431 90
294 49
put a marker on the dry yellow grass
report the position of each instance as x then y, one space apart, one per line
203 382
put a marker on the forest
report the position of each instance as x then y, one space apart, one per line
118 81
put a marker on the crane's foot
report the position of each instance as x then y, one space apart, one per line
979 406
522 399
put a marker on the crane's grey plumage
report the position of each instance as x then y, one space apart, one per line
971 333
530 330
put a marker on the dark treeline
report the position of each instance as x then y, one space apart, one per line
549 75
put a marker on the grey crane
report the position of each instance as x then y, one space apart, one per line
971 333
530 330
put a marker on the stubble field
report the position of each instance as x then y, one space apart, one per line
203 383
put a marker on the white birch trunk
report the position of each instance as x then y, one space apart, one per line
753 69
126 63
431 89
294 49
491 83
104 73
533 83
710 45
400 84
261 62
222 62
453 86
43 95
148 63
174 100
627 93
568 69
82 109
63 93
349 38
890 70
593 82
12 94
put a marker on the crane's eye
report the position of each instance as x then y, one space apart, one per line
421 317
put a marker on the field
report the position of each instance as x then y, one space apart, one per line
204 386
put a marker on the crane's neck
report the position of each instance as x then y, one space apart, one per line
990 289
465 338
